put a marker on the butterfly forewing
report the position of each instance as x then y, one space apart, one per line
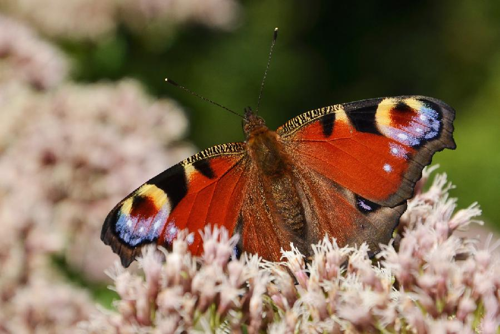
206 188
376 148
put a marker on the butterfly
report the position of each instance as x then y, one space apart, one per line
345 171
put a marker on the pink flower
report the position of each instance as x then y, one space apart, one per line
430 281
29 59
97 19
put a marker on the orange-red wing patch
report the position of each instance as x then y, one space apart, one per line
214 202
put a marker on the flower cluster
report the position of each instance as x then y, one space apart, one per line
188 292
31 294
93 19
68 153
26 59
69 156
427 281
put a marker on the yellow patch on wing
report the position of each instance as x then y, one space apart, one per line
341 116
414 103
189 170
127 206
383 114
151 191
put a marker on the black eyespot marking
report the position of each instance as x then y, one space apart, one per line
203 166
143 206
327 123
366 206
363 117
402 107
173 182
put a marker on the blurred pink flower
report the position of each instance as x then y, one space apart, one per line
45 306
76 152
94 19
142 14
25 58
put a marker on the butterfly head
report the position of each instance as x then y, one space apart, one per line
253 123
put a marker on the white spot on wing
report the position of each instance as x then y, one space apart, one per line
388 168
397 150
190 239
171 231
141 230
402 136
157 225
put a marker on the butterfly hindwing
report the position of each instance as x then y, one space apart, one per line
203 189
338 212
376 148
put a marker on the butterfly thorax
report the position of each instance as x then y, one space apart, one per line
263 145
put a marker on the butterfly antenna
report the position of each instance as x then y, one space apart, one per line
202 97
275 36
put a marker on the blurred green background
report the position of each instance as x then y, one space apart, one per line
329 52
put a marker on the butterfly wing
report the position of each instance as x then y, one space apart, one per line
206 188
377 148
358 162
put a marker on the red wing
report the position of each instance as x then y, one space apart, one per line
259 233
206 188
375 148
260 225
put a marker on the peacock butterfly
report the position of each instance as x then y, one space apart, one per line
344 170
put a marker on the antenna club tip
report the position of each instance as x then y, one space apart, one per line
170 81
275 33
276 29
